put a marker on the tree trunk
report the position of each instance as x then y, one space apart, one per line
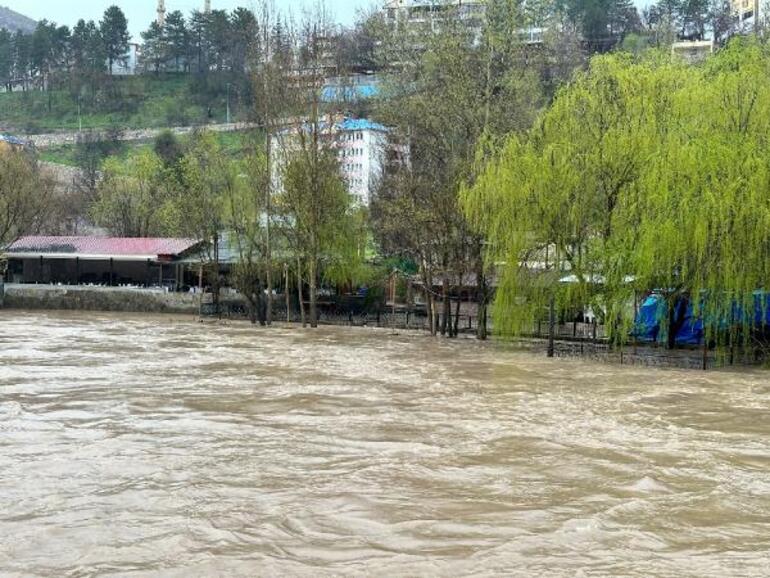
446 322
215 284
261 306
252 305
481 319
551 327
456 331
299 293
430 300
676 319
288 296
268 238
313 294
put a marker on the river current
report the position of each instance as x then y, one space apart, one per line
154 446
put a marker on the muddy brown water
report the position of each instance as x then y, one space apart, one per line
154 446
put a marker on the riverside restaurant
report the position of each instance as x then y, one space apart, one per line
105 261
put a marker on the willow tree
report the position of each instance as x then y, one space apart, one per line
702 220
643 175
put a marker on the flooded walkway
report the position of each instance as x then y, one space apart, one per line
156 447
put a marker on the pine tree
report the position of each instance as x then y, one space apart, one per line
114 33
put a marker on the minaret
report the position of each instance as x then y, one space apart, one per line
207 7
161 13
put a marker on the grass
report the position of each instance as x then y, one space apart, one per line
233 144
128 102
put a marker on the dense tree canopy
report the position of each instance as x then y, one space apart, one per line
643 175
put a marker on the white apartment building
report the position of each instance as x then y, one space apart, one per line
429 13
362 147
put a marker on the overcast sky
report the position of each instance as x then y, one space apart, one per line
141 12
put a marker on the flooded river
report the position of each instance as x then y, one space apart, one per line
156 447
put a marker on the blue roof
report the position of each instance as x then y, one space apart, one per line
349 124
12 140
357 92
360 124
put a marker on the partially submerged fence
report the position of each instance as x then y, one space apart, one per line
574 339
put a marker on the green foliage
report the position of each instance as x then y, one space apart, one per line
130 102
134 198
26 195
316 209
114 33
643 175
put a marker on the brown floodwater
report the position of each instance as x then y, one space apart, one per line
154 446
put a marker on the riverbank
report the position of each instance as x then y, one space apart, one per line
105 299
148 301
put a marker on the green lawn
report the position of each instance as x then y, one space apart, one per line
234 144
129 102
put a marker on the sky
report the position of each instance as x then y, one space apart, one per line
141 12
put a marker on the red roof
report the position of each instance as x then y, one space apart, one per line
102 246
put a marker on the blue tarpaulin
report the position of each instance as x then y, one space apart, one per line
652 322
652 319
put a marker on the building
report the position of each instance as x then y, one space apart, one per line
129 65
745 9
108 261
9 142
428 14
693 51
361 147
350 89
419 16
363 150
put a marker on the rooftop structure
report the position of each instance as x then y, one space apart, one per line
95 248
100 260
10 141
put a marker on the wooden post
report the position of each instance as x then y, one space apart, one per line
111 273
77 270
160 276
705 352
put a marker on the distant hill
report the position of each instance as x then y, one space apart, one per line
14 21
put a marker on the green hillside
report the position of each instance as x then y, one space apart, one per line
129 102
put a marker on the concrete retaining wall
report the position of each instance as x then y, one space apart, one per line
99 299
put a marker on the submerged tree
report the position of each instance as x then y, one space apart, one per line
445 100
643 175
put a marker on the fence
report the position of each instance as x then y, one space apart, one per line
573 339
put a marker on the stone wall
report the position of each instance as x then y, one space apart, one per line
99 299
